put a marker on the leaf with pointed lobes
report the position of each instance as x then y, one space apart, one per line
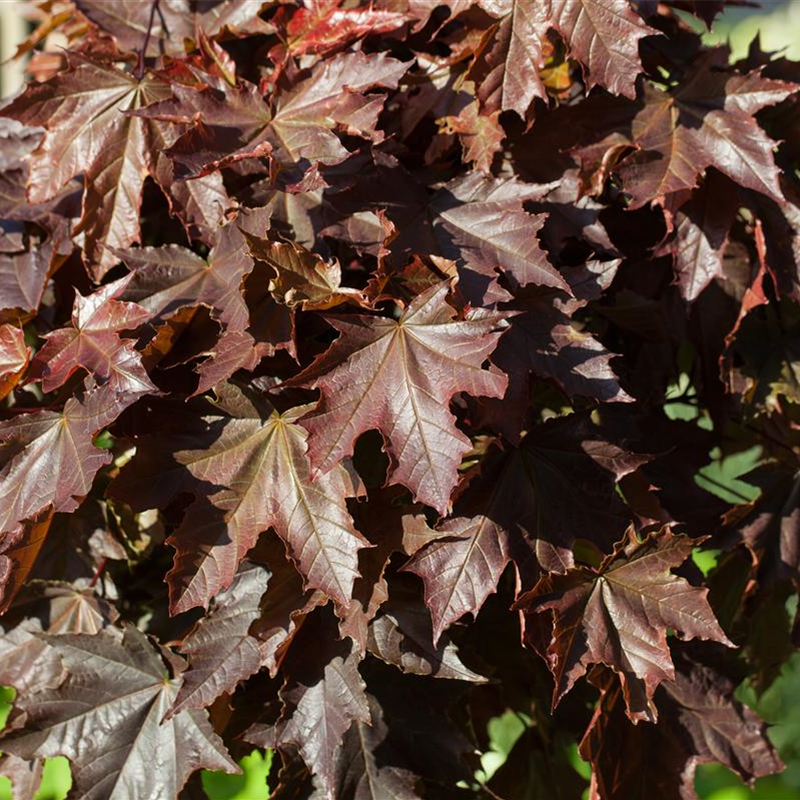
233 124
480 223
506 511
119 687
322 697
176 22
369 765
481 135
220 651
544 340
413 367
94 342
23 274
700 721
49 458
392 527
14 356
248 469
88 131
402 636
300 277
603 35
706 121
323 26
702 221
285 605
171 277
618 615
64 608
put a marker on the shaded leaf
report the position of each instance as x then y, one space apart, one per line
619 614
700 721
219 649
402 636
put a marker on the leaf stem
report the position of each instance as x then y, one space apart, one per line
101 566
140 65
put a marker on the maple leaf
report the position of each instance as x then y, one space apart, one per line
481 135
361 767
220 652
51 458
702 222
301 278
323 695
402 636
707 120
63 608
285 604
323 26
510 57
544 340
564 463
237 123
392 528
29 664
14 356
413 367
618 615
119 686
248 471
700 721
175 23
88 131
23 274
168 278
603 36
480 223
94 343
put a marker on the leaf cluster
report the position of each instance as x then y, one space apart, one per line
357 361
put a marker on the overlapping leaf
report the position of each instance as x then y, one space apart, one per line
603 36
94 343
700 721
49 457
220 651
120 688
248 471
708 120
237 123
88 132
505 512
412 367
618 615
